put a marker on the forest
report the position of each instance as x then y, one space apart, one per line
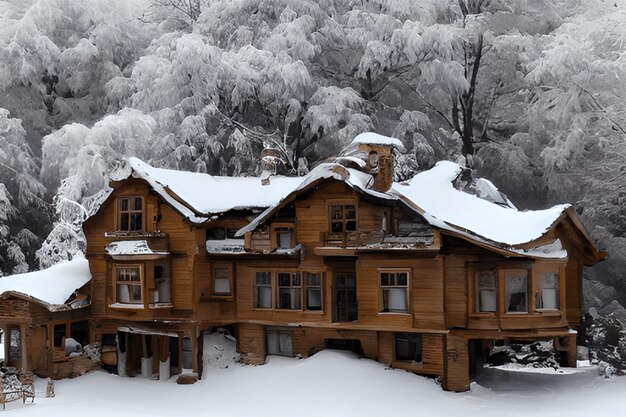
530 94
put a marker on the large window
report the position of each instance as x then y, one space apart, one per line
548 294
313 282
289 290
409 347
394 288
131 214
221 280
263 290
128 285
516 290
342 218
486 290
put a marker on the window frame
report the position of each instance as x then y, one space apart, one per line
130 212
477 290
293 288
344 219
228 267
502 275
305 274
256 286
141 283
408 335
538 272
382 288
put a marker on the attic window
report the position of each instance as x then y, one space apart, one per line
130 214
342 218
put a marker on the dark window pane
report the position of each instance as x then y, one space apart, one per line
158 271
336 227
351 225
136 221
124 221
138 203
402 278
284 279
215 234
124 204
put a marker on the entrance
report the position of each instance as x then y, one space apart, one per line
346 308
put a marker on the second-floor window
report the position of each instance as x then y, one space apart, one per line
221 280
394 289
516 290
289 290
486 290
342 218
130 214
263 290
128 285
548 293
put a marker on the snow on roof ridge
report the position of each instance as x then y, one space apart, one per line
52 286
372 138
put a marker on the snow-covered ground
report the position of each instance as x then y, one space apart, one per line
330 383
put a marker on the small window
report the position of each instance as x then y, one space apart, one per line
342 218
263 290
59 334
394 286
409 347
283 240
516 290
313 282
128 285
289 291
221 280
279 342
486 291
131 214
548 295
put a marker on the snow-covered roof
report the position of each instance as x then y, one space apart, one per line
131 247
432 194
198 196
446 207
354 178
371 138
51 287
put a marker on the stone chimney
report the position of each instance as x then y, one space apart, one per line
378 153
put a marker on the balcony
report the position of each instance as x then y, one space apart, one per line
147 245
377 239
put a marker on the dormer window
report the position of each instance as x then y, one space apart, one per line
130 214
342 218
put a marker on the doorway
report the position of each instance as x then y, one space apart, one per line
346 307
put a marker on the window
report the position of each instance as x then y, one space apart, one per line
15 344
220 233
59 333
289 290
162 283
128 285
394 287
548 295
263 290
131 214
516 290
283 239
279 342
313 282
486 291
221 280
409 347
342 218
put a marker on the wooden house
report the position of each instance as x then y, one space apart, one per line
418 275
41 311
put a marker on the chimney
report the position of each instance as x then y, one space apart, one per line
378 152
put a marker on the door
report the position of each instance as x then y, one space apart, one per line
346 308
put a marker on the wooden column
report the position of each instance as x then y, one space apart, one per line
456 364
194 350
23 348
